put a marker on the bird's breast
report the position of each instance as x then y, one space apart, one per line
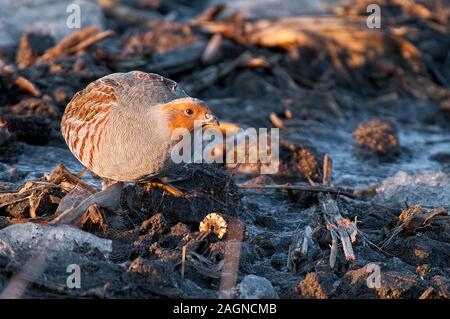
134 148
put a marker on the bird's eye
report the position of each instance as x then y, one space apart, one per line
189 111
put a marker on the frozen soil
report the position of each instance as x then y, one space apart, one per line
276 216
150 229
152 246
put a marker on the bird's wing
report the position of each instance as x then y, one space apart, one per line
86 117
153 89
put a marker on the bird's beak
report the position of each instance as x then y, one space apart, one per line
210 120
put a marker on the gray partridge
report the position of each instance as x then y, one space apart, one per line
120 126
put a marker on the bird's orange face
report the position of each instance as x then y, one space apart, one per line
186 114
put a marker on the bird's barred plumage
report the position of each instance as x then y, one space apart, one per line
120 125
86 118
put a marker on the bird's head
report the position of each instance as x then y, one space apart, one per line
186 113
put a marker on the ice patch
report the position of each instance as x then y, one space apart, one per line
426 189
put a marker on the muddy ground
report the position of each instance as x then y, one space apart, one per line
377 102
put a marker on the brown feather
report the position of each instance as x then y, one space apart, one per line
85 117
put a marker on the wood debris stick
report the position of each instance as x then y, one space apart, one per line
202 235
13 200
27 86
333 51
407 215
183 261
288 114
441 13
257 62
164 187
333 246
95 215
175 61
368 241
327 169
389 98
7 69
35 199
416 9
340 228
299 31
441 28
298 250
412 218
67 180
127 14
333 105
427 293
407 49
76 41
344 39
197 261
35 185
109 198
69 41
212 74
212 50
303 188
90 41
208 15
10 198
202 265
276 121
285 77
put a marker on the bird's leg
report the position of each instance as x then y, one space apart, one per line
106 182
108 198
157 183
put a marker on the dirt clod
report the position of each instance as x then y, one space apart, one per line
316 286
377 135
306 163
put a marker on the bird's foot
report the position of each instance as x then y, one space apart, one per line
106 183
175 192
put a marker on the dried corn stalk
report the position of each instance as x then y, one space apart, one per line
298 250
340 228
412 218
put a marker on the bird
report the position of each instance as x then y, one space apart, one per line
119 126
